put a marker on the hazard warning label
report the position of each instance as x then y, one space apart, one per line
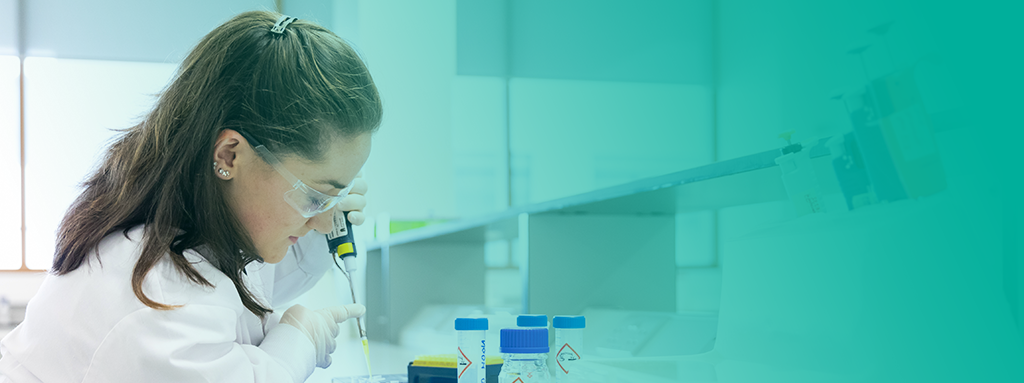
565 356
464 362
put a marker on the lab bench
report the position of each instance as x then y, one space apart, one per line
815 297
348 360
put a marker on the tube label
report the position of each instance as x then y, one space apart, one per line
464 363
565 356
482 369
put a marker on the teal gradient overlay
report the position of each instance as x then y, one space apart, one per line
918 278
919 289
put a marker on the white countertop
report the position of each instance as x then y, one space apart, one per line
348 360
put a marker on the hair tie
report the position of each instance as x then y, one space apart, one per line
281 23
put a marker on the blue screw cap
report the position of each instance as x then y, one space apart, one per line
524 340
567 321
532 321
470 324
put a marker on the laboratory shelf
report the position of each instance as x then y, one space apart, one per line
739 181
568 254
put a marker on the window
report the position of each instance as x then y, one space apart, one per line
72 109
10 163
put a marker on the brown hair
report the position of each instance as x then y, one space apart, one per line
293 92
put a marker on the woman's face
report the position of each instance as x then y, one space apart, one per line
256 190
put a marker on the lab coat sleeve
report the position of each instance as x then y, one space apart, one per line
196 343
301 268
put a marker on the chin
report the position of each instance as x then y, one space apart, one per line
277 258
278 255
273 260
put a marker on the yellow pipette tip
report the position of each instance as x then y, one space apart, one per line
366 351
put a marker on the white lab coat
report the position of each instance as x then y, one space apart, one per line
88 326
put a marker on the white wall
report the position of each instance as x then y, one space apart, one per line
8 27
575 126
409 47
123 30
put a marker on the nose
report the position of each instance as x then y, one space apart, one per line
323 222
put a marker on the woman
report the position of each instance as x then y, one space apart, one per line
159 272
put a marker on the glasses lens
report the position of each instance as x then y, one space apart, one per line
301 203
309 202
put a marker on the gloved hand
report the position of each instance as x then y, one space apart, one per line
321 326
355 202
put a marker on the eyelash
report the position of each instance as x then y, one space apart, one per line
315 203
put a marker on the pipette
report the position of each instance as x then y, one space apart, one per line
340 242
359 324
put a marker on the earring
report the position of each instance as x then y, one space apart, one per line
223 173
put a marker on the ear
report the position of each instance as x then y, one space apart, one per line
227 153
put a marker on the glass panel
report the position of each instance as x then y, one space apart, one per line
479 150
602 94
10 157
71 109
571 137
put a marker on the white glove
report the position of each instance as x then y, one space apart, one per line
321 326
355 202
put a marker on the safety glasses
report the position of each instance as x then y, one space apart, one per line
306 200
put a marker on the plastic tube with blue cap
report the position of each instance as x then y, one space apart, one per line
530 320
568 343
472 352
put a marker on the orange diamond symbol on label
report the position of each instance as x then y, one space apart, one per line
564 355
519 380
466 359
